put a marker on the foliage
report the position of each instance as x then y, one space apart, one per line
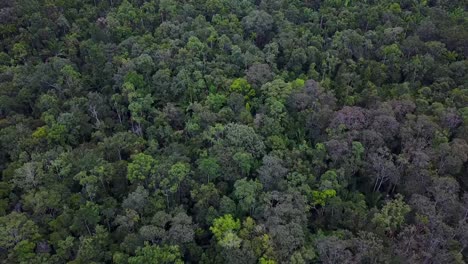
157 254
392 215
233 131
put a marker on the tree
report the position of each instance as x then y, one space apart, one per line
243 136
141 168
382 168
28 176
127 221
156 254
239 132
86 217
182 230
89 183
272 172
259 25
246 192
241 86
15 228
122 144
352 118
244 161
216 101
392 216
209 167
285 217
333 250
259 74
136 200
140 108
224 229
452 156
94 247
321 197
177 174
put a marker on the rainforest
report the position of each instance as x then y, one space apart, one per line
234 131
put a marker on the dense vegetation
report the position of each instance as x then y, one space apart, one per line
222 131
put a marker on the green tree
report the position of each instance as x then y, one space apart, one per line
177 174
244 161
241 86
141 168
392 216
157 254
245 137
224 229
247 193
209 167
86 217
94 248
15 228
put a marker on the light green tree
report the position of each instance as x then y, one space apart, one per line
225 230
157 255
141 167
392 216
241 86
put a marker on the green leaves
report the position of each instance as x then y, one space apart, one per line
329 180
328 186
321 197
135 79
15 228
243 136
20 51
215 101
224 229
88 181
157 255
278 89
392 216
140 107
157 131
177 174
24 251
241 86
209 167
244 161
141 168
247 193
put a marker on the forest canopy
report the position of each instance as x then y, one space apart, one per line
233 131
